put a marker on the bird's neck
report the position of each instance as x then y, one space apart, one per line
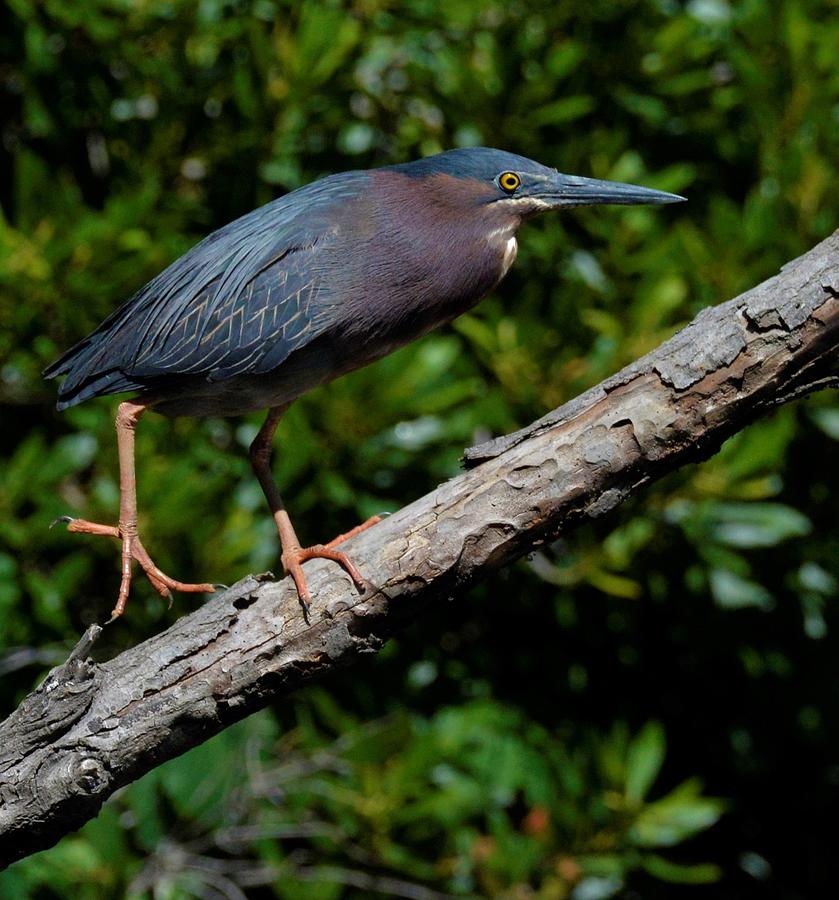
444 230
422 256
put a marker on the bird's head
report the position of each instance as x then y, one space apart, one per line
520 187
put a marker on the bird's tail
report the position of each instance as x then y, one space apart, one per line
86 377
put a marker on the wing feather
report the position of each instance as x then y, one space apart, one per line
242 296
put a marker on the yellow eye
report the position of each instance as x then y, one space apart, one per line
508 181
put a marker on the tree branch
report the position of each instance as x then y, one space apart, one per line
91 728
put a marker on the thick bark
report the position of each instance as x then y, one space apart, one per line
90 728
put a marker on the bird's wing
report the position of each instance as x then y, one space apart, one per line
240 301
262 302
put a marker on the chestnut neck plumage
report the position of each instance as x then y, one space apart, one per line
439 246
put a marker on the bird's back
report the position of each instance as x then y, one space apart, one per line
240 300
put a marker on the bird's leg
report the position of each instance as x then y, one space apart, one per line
293 555
128 414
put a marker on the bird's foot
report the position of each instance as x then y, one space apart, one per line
133 549
293 560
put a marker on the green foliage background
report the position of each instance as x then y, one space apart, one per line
657 717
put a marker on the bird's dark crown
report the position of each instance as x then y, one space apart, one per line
482 163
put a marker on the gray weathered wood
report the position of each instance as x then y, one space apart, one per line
91 728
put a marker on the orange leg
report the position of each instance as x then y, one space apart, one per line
293 555
128 414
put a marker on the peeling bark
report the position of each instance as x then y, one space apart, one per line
91 728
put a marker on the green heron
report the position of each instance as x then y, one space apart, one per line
313 285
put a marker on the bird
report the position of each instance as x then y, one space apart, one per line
318 282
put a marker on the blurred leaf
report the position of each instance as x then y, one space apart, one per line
597 888
643 762
676 817
735 592
758 524
668 871
827 418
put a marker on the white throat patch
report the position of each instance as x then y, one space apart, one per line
510 251
504 239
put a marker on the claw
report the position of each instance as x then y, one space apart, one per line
307 609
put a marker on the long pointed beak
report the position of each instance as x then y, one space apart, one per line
571 190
